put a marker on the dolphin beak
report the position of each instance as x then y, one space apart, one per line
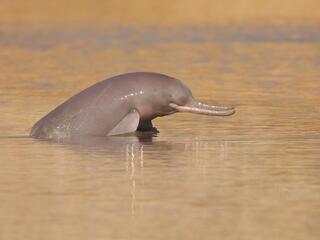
201 108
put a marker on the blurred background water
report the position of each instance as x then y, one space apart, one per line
254 175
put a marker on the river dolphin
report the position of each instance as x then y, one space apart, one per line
121 104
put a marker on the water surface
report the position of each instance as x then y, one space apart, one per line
254 175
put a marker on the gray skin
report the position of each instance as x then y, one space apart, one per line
121 104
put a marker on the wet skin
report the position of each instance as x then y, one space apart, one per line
121 104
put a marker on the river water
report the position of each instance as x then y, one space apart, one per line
253 175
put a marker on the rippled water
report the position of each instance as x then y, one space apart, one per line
254 175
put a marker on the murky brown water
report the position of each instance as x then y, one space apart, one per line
255 175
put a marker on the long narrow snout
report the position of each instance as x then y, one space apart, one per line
201 108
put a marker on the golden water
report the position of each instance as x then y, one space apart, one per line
254 175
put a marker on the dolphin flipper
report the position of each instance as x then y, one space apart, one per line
128 124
